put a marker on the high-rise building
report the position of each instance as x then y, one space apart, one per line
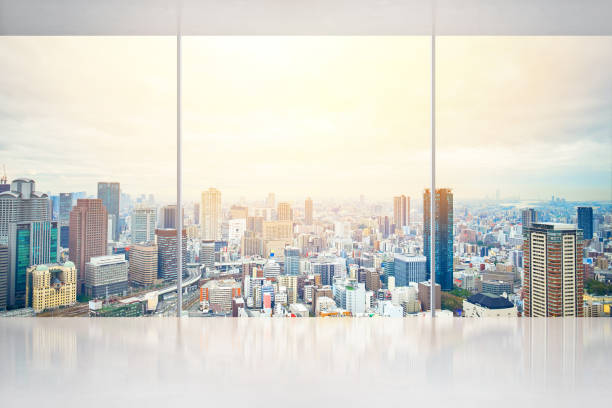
277 230
401 211
106 275
88 234
308 211
271 269
373 282
207 253
168 216
51 286
65 205
408 269
284 212
196 213
443 236
528 217
4 276
143 264
26 228
210 217
585 221
167 247
326 271
22 203
144 222
251 244
110 193
270 200
292 261
552 263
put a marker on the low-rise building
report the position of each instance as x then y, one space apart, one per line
488 305
51 286
106 275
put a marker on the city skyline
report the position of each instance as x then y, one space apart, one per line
306 120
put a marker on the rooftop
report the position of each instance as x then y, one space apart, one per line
490 301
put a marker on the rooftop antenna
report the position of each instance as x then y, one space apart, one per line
4 180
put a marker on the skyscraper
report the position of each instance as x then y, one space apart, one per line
270 200
401 211
210 217
22 203
552 263
26 228
144 222
88 234
528 217
65 205
4 275
443 236
109 193
585 221
308 211
196 213
284 212
168 216
167 260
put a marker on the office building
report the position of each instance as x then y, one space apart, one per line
167 248
4 276
356 299
401 211
528 217
497 287
210 214
308 211
424 296
271 269
284 212
443 236
251 245
88 234
238 211
373 282
585 221
326 270
207 253
110 193
277 230
408 269
22 203
106 275
168 217
65 206
196 213
30 243
292 261
51 286
219 294
143 264
290 282
553 269
144 222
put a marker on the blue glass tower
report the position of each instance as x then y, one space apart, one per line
443 236
585 221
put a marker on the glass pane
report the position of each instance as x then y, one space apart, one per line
524 129
88 124
294 150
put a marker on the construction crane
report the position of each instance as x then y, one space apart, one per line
4 180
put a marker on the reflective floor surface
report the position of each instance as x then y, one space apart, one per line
81 362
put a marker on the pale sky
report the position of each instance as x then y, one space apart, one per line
310 116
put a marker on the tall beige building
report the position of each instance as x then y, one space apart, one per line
290 282
277 230
210 214
143 264
284 212
51 286
308 211
401 211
